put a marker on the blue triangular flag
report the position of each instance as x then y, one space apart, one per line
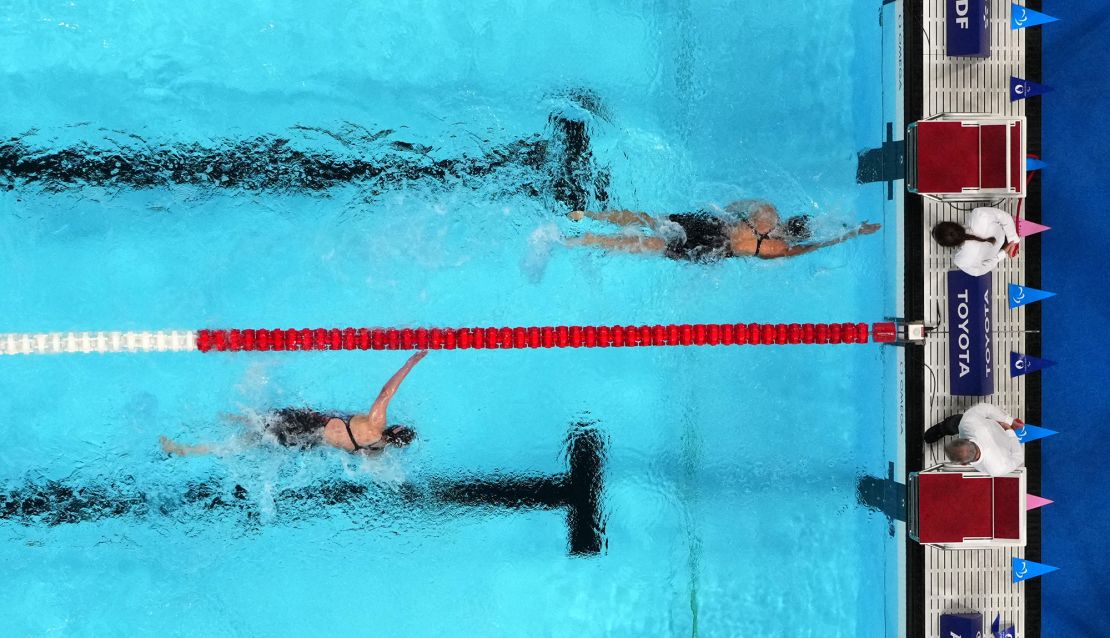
1024 364
1034 164
1022 18
1027 569
1001 633
1022 295
1027 433
1021 89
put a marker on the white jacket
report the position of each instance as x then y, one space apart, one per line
977 257
1000 452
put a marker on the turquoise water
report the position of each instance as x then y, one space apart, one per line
729 502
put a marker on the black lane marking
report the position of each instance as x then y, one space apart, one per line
265 163
883 495
579 490
576 182
559 166
884 164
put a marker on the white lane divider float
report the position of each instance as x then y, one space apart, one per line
87 342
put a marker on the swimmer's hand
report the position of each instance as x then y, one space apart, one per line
1012 249
414 359
576 215
867 229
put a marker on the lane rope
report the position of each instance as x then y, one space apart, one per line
492 338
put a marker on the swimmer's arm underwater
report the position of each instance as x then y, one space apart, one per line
776 248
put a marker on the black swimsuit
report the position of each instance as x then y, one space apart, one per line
304 428
707 238
371 447
759 237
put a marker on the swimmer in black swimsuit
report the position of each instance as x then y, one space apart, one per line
304 428
756 230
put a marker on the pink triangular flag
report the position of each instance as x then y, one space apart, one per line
1033 501
1026 227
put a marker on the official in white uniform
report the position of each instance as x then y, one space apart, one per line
986 441
989 237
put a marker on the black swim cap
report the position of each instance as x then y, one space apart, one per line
398 435
797 227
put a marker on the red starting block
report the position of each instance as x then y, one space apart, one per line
966 157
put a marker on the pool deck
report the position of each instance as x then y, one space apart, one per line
940 581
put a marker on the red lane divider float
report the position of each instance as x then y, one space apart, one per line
726 334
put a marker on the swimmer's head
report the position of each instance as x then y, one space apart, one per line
949 234
398 435
764 219
960 451
797 228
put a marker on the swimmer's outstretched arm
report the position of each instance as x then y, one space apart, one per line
618 217
774 249
381 404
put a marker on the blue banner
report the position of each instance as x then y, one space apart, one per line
1027 569
1022 18
1022 295
1021 89
961 625
1034 164
970 334
968 28
1024 364
1028 433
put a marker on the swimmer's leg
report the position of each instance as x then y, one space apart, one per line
171 447
620 243
618 217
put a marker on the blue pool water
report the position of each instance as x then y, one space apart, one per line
153 176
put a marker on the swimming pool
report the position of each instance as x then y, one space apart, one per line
407 165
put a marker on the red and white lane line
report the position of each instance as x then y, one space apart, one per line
492 338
